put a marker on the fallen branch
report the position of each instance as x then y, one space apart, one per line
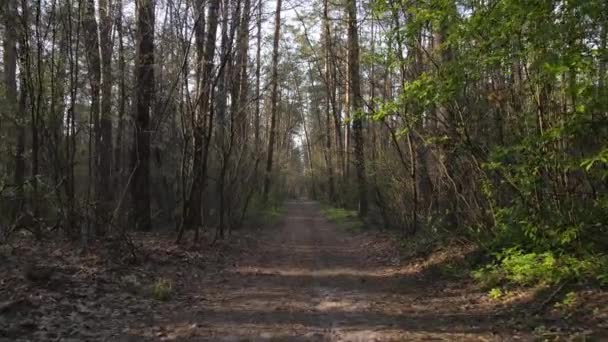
549 299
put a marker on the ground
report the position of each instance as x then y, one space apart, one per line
305 279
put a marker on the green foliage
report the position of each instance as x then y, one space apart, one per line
265 215
162 289
600 158
496 293
569 301
339 214
488 276
528 268
346 219
528 70
531 268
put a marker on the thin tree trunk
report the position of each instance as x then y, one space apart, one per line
257 78
273 100
356 105
329 103
203 125
104 149
118 154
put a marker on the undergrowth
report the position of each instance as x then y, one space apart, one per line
518 267
265 215
344 218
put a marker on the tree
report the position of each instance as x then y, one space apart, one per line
273 100
356 101
203 124
104 149
10 82
144 86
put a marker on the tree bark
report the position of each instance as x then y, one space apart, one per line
203 125
144 87
104 149
118 153
273 100
15 106
356 105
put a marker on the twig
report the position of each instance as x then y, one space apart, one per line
549 298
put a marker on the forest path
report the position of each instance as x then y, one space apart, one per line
310 280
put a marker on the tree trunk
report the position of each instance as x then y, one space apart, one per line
356 105
91 43
273 99
104 149
144 87
329 103
203 126
15 106
118 153
258 64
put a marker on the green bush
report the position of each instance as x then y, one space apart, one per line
528 268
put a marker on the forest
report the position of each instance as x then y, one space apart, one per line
347 161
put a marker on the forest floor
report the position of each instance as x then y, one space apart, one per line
304 279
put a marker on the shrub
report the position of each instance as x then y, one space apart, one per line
529 268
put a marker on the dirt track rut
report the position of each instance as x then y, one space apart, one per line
309 280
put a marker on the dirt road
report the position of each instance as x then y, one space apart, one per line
309 280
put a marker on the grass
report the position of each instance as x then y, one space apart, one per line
271 215
265 215
344 218
162 289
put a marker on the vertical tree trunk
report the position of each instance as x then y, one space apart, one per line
356 105
104 150
221 102
91 43
258 64
447 200
144 88
118 153
347 116
10 82
71 147
329 102
273 99
27 97
203 126
240 84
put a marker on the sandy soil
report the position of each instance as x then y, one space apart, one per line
308 280
305 279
